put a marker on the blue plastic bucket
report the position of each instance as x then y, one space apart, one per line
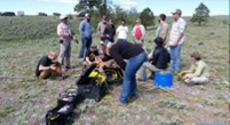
163 79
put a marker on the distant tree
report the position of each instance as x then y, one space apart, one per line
201 15
70 16
84 6
133 10
147 17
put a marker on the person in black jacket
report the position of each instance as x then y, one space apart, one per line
135 56
159 61
109 32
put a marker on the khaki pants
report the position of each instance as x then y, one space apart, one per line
107 63
196 80
47 73
64 55
143 74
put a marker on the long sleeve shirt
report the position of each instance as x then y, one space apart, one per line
64 32
124 50
85 29
198 69
160 58
100 28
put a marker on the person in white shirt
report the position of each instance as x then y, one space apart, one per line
122 31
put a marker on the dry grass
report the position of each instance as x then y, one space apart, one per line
25 99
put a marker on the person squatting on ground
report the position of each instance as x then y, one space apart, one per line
135 56
85 30
198 72
101 27
64 32
47 67
109 32
158 62
176 40
122 31
91 55
138 32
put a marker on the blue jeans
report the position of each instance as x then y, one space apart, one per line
85 43
175 58
121 40
129 81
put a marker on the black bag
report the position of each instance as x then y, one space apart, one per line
91 89
61 115
70 96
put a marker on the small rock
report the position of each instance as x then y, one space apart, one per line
200 106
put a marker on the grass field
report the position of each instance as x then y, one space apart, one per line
25 99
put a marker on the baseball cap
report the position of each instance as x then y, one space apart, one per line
177 11
195 55
93 46
87 15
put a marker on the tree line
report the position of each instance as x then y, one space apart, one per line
100 8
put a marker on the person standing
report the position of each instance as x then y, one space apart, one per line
122 31
101 27
109 32
138 32
85 30
162 29
176 40
64 32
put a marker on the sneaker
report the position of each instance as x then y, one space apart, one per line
132 98
123 104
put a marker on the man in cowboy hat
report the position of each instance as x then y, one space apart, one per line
64 32
198 72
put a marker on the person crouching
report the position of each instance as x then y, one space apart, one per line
91 55
47 67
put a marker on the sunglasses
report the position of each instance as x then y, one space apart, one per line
174 13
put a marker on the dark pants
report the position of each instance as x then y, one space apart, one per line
85 44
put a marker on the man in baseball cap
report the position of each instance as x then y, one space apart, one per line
177 11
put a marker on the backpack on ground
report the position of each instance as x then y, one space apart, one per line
138 32
70 96
89 86
61 115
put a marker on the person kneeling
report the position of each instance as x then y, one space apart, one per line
47 67
198 73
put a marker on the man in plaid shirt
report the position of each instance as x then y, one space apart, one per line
176 40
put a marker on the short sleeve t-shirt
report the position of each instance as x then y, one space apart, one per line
45 61
92 54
